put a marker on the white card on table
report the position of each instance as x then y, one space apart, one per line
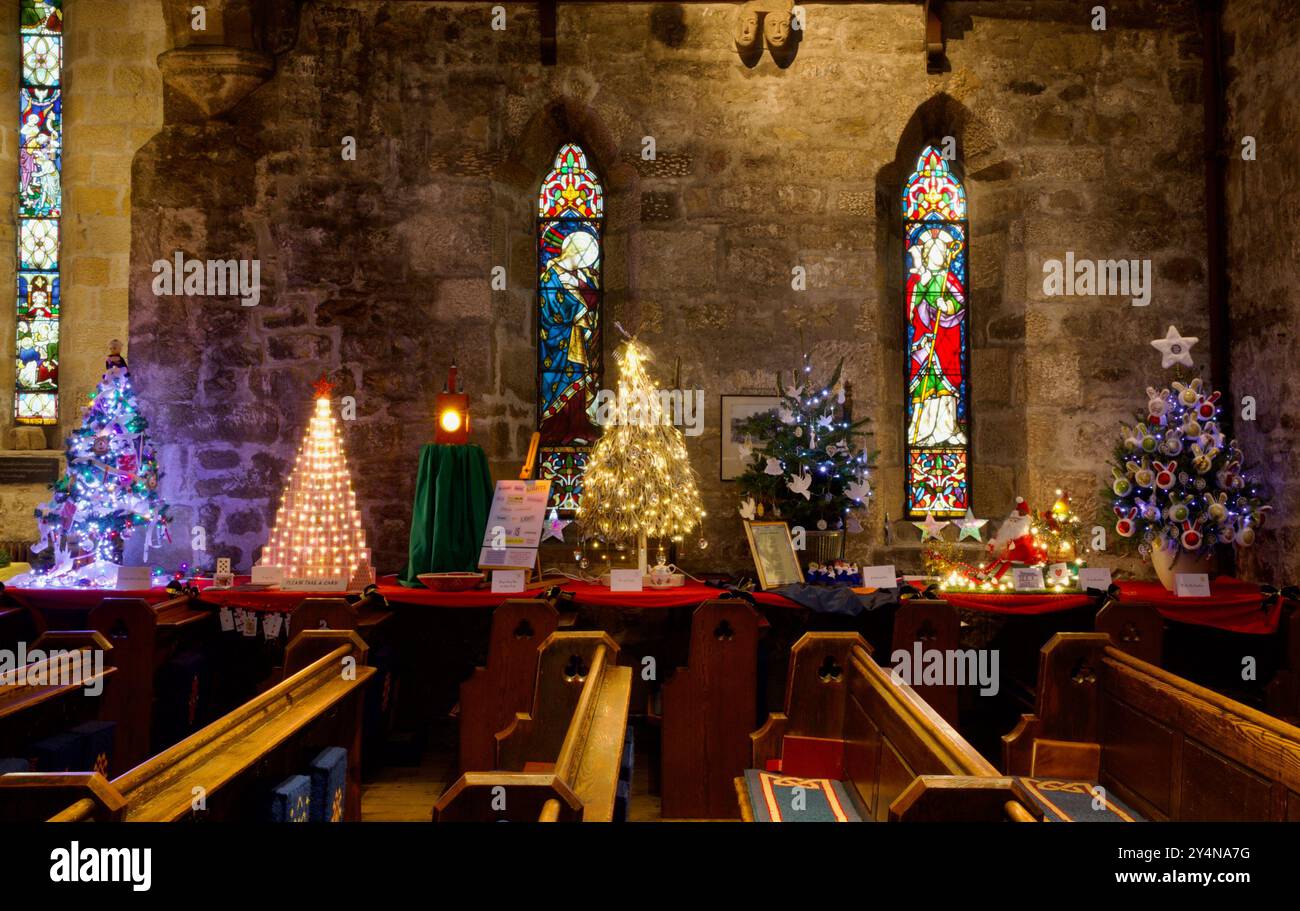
1097 577
1028 578
508 581
625 580
1058 574
879 576
1192 585
268 575
133 578
227 620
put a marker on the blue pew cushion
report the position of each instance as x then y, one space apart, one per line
291 800
14 764
60 753
1075 801
96 745
778 797
329 782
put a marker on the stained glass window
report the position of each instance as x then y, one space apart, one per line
938 340
40 206
570 211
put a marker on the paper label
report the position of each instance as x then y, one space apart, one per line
1097 577
1028 578
133 578
267 575
625 580
879 576
1192 585
326 584
1058 574
507 581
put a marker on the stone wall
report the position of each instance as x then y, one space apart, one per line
1263 44
377 271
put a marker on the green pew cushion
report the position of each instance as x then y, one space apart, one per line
780 797
1074 801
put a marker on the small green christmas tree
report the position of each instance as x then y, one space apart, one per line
804 461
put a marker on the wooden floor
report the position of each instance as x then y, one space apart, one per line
407 793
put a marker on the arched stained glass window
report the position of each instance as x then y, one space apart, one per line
40 205
937 454
570 212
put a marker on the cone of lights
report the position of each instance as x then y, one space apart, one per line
317 532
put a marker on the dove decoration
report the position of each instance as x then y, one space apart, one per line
748 508
800 485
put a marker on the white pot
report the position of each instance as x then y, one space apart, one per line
1171 560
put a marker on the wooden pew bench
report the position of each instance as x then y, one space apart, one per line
226 770
852 742
1160 747
49 698
561 762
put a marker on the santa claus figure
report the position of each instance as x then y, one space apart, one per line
1014 542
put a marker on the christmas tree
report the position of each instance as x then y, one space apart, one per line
1177 485
807 467
639 482
107 505
317 532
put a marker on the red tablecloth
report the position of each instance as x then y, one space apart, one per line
585 593
1012 603
1233 605
77 599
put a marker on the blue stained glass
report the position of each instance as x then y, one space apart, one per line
569 342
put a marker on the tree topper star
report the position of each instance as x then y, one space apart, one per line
1175 348
931 527
970 526
324 388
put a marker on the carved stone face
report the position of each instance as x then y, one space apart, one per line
776 29
747 29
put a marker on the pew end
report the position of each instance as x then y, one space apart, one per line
1134 628
26 796
508 796
962 798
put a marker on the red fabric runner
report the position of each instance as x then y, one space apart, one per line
1233 605
688 595
1010 603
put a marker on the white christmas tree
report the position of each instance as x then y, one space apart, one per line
317 532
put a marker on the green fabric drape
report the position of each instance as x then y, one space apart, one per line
453 493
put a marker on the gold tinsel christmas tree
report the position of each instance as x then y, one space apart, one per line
639 483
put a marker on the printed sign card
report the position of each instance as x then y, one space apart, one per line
1097 577
1028 579
1192 585
514 526
508 581
625 580
879 576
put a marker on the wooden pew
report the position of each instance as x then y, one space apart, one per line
32 710
1169 749
236 760
493 695
934 624
561 761
874 735
708 712
1134 628
1282 694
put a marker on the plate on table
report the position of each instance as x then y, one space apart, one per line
450 582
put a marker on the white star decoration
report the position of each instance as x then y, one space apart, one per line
1175 348
970 526
931 527
554 527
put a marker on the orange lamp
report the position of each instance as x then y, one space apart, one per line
451 407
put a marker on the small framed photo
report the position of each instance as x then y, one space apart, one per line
735 410
774 555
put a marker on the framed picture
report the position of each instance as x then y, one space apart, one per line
773 552
735 409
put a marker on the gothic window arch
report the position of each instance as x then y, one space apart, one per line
570 220
937 415
40 207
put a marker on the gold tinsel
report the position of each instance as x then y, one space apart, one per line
638 479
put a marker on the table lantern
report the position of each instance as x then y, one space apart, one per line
452 409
